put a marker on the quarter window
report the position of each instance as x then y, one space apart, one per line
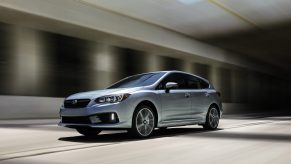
196 83
193 83
203 84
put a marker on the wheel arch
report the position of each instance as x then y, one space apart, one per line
152 105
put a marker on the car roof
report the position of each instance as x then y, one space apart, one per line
177 71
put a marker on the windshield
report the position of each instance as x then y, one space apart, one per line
138 80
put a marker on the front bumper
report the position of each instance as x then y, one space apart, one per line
104 116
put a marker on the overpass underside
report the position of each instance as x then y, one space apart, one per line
47 55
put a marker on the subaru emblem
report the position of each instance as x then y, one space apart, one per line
74 101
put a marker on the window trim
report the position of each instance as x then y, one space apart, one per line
189 75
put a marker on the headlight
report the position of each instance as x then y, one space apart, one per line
112 98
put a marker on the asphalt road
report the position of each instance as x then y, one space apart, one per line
238 140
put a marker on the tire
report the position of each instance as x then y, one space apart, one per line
88 132
143 122
212 118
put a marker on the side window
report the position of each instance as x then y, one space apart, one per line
178 78
193 83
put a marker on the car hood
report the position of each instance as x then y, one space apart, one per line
98 93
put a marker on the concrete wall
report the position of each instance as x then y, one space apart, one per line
22 107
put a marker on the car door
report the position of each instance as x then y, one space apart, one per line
199 97
176 104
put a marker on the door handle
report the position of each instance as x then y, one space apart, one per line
187 95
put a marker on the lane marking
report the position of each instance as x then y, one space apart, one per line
249 124
43 148
30 154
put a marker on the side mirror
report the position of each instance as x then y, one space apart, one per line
170 85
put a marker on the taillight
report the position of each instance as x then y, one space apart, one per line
218 93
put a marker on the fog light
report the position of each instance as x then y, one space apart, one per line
112 117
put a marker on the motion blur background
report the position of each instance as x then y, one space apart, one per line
51 49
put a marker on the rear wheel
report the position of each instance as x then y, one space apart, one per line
143 122
88 132
212 119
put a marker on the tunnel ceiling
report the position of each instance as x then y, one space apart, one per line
270 45
257 28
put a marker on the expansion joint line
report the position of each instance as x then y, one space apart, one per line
234 13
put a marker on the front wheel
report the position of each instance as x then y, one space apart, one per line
212 119
88 132
143 122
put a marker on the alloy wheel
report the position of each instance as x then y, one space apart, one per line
213 118
145 122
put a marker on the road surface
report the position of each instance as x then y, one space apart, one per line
238 140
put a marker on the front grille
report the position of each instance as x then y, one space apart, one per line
104 118
76 120
76 103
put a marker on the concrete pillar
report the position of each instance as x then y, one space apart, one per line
105 66
187 66
201 69
213 78
27 62
239 86
154 63
222 83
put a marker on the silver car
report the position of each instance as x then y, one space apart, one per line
143 102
